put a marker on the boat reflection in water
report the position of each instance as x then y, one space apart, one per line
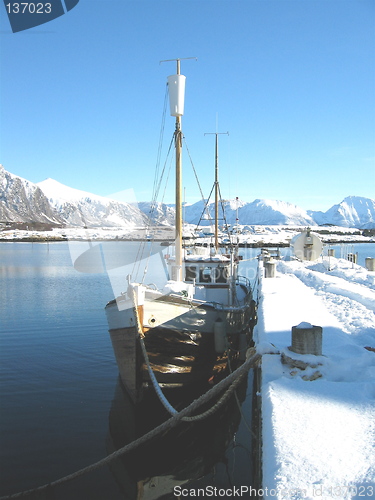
193 454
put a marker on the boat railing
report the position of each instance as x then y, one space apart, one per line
245 284
242 280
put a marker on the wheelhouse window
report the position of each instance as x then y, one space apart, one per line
190 273
205 274
221 274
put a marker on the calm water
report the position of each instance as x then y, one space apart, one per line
61 405
363 250
57 370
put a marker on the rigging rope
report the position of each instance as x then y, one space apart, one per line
160 141
205 208
195 172
156 188
166 181
156 193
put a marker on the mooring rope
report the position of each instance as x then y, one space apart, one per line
159 392
231 380
240 407
167 425
170 409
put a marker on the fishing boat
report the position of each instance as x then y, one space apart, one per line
188 331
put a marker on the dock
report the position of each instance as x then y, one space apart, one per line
316 411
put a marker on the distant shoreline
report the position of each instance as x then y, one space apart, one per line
266 240
254 236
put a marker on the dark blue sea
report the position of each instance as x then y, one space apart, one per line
57 371
62 407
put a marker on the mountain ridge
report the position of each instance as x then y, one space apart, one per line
23 201
81 208
53 202
352 211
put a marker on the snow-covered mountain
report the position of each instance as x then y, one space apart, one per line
23 201
80 208
159 213
271 212
274 212
353 211
52 202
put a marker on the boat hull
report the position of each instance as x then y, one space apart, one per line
179 336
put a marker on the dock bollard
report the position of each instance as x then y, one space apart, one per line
307 339
270 268
370 264
265 255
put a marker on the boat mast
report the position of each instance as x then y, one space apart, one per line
176 85
178 230
216 185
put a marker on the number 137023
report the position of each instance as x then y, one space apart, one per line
28 8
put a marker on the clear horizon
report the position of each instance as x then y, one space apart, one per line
82 97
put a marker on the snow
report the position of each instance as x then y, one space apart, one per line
178 287
321 279
304 325
81 208
352 211
324 435
207 258
77 207
318 422
28 186
259 211
58 194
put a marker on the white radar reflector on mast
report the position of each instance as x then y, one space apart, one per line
176 85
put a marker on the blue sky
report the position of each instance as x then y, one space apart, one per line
292 81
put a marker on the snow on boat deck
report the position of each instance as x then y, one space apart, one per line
318 434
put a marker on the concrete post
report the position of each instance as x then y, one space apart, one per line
307 339
270 268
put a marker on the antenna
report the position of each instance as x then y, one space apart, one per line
178 62
216 184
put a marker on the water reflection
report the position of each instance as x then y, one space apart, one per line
185 455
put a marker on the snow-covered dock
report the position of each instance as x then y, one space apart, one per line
318 422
